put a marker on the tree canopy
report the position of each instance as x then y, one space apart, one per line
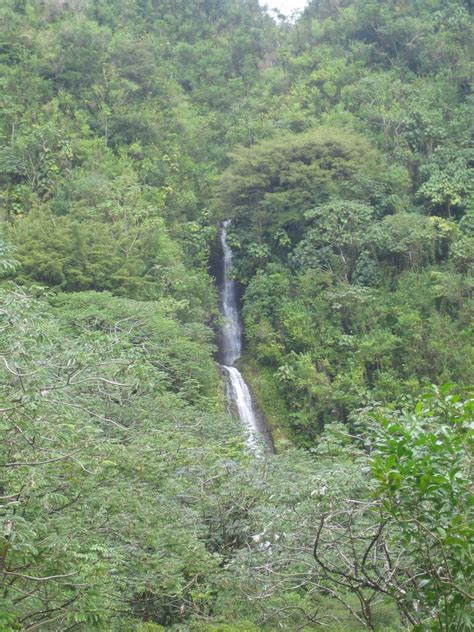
338 143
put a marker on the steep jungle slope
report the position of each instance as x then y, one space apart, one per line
339 147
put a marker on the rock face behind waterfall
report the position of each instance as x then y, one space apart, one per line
237 391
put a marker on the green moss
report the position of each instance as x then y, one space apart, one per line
240 626
269 401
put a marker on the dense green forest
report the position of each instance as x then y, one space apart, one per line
340 145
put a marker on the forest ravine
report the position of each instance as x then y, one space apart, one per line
337 146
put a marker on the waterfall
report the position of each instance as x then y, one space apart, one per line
237 391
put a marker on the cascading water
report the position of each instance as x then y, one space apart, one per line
231 329
237 390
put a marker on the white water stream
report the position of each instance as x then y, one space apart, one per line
237 390
239 394
231 329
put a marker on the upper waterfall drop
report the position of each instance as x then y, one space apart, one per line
231 329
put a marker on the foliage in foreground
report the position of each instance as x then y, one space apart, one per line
126 495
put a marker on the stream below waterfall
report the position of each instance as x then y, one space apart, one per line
237 392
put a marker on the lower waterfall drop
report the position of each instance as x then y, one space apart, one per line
237 391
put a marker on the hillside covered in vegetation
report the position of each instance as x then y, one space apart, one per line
339 144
